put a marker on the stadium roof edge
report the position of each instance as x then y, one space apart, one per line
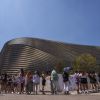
52 41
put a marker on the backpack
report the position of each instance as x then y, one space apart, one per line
55 76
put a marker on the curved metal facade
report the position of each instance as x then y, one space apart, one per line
37 54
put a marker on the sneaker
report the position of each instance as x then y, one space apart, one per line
86 91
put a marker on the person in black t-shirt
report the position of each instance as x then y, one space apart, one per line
65 76
99 79
43 83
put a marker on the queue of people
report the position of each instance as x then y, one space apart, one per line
30 83
87 81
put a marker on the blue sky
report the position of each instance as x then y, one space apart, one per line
70 21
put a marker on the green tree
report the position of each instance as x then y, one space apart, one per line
85 62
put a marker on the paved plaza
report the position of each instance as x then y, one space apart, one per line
49 97
94 96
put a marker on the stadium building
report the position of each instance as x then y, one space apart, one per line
38 54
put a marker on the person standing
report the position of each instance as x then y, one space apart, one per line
28 83
77 80
4 82
0 83
99 80
43 83
84 82
20 81
36 82
65 76
54 82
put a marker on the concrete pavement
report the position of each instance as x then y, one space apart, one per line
92 96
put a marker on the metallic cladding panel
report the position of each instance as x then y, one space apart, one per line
37 54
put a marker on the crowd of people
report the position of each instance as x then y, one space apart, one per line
29 83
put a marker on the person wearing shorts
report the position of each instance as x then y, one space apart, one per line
84 83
